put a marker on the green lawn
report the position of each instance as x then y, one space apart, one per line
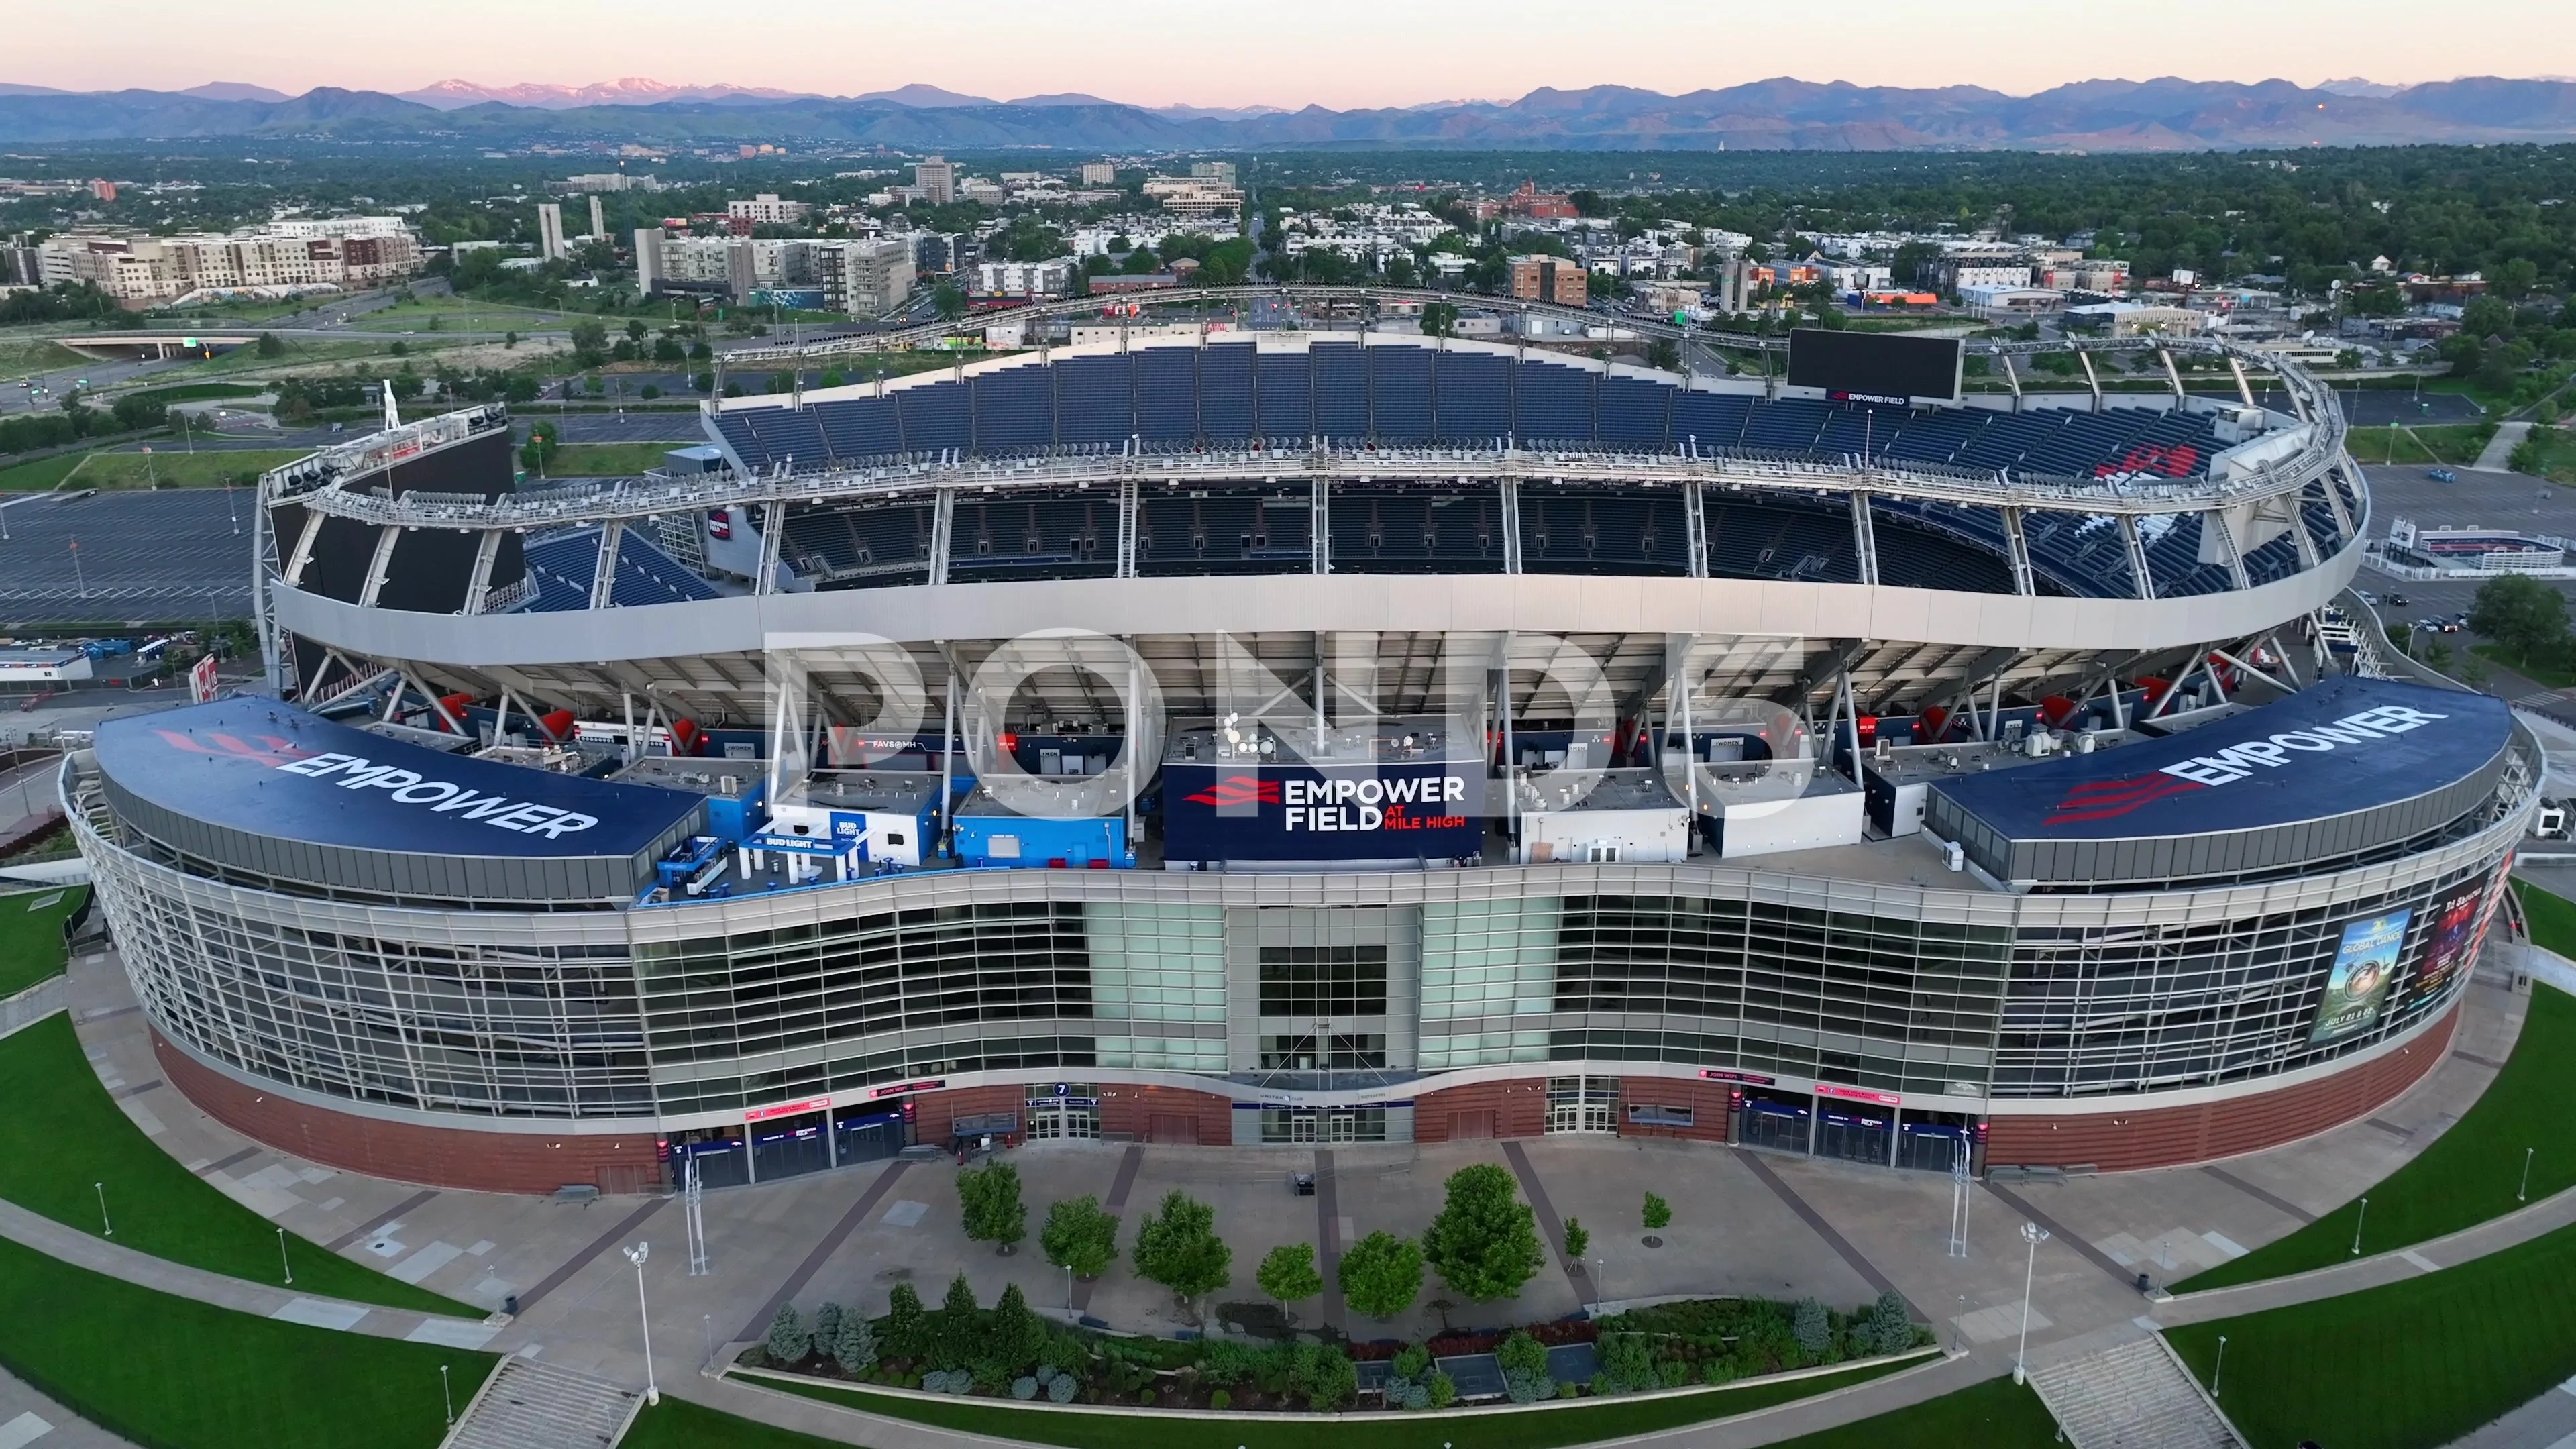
1608 1419
170 465
172 1373
38 476
31 935
2547 673
2437 443
2468 1175
2416 1363
62 1135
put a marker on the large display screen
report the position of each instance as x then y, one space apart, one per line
2365 964
1297 812
1875 366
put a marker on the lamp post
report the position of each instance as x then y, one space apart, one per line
2523 1193
2034 1235
448 1394
2358 1219
105 1228
2221 1369
282 1260
636 1255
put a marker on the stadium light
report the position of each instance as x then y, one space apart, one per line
636 1255
2033 1234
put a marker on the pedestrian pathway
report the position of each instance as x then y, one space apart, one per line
530 1405
2133 1395
2547 1422
2498 454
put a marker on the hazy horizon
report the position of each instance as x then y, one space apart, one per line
1339 54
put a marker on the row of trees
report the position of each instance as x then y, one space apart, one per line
1483 1243
27 432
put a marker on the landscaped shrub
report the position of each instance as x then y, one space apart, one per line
1442 1389
854 1348
1525 1387
905 1333
1220 1400
1411 1361
1145 1397
1887 1327
1673 1372
957 1335
1814 1328
948 1381
1025 1387
1521 1353
1627 1365
1332 1381
1062 1388
1015 1335
788 1342
827 1327
1224 1363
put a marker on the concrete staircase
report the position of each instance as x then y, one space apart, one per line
2136 1395
530 1405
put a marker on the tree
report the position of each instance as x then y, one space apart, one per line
1381 1275
948 302
1439 319
788 1341
589 342
1578 1240
1080 1235
1288 1273
989 1200
269 345
668 350
2527 617
1177 1246
1657 1212
1018 1337
1485 1240
540 448
907 1323
855 1348
1814 1330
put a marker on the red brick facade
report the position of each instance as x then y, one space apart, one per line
521 1162
1166 1115
2127 1141
1485 1109
935 1112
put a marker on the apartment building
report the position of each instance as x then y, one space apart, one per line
139 270
936 180
863 277
550 232
1099 173
767 210
1050 278
1549 279
1191 196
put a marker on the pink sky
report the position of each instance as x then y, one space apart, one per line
1336 53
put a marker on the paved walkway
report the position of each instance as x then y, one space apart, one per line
2499 449
1751 1223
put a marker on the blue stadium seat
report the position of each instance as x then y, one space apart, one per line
1341 390
1398 530
1032 536
1551 403
935 417
1226 393
1633 412
564 565
1225 531
1167 398
1284 384
1601 531
1014 410
1471 398
1094 400
1400 395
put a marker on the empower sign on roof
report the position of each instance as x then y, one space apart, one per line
2342 767
265 786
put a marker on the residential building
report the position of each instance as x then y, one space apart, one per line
976 188
1549 279
1531 202
767 210
611 181
936 179
550 232
140 270
874 274
1221 172
598 223
1108 283
1099 173
1050 278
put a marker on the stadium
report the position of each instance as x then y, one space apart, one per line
1301 737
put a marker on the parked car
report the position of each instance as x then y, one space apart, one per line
2367 597
2398 601
2441 475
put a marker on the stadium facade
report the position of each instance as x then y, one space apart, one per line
1314 738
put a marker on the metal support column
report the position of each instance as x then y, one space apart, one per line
1695 519
1511 500
2216 518
1865 538
2092 379
1319 522
2012 375
2141 582
2244 389
380 565
2173 374
773 536
478 585
943 513
2019 548
1127 529
603 582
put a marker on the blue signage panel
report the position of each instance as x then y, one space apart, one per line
2347 745
266 768
1390 811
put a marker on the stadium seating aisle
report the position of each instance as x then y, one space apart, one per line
564 565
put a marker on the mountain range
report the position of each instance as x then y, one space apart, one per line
1783 114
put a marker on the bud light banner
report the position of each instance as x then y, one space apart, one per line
2364 966
1223 812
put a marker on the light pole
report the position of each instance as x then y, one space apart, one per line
282 1260
2220 1370
105 1228
2033 1234
636 1255
1068 1292
2523 1193
447 1394
2357 1220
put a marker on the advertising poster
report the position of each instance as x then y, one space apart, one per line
2451 941
1429 811
2364 965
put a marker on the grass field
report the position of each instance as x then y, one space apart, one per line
40 475
31 935
196 392
1609 1419
2468 1175
2547 673
607 460
2415 1363
455 314
2550 453
173 1373
171 467
64 1135
2451 443
1996 1414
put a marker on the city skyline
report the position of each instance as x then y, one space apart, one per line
1164 53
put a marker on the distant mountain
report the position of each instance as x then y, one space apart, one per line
234 91
2357 86
450 95
2166 114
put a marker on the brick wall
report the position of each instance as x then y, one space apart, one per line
519 1162
1707 1101
2164 1136
1129 1112
1513 1109
934 1112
